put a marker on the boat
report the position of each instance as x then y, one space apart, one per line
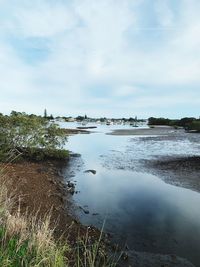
87 127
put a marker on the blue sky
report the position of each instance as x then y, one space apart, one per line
115 58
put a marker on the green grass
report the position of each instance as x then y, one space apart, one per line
26 241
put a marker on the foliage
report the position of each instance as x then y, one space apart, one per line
29 133
187 122
158 121
27 241
195 126
80 118
43 154
102 119
45 113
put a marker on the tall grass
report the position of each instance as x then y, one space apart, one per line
27 241
93 254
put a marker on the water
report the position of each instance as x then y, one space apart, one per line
139 208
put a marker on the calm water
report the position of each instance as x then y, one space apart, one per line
139 208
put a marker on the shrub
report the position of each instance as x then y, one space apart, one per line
195 125
32 134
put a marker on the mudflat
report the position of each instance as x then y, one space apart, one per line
160 130
179 171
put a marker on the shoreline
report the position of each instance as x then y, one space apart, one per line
40 188
182 171
145 131
42 182
69 131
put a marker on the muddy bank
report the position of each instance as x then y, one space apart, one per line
41 189
143 259
42 186
179 171
172 155
146 131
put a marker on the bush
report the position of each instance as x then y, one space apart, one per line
187 122
39 154
158 121
29 241
33 135
195 126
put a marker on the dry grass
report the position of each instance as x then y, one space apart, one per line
28 241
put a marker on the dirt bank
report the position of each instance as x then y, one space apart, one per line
41 189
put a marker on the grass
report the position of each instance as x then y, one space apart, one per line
27 241
93 255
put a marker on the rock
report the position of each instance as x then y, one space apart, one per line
71 185
127 247
71 190
91 171
124 256
84 210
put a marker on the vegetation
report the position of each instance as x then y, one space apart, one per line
80 118
194 126
45 113
31 136
158 121
188 123
26 241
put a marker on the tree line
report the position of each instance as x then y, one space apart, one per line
188 123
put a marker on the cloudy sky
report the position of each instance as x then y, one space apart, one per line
101 58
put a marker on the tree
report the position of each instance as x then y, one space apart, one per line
45 113
29 135
80 118
158 121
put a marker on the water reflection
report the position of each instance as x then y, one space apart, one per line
140 209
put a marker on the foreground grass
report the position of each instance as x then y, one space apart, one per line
28 241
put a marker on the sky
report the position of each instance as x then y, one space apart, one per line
113 58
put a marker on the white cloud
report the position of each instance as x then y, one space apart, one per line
99 42
16 78
39 19
125 91
164 13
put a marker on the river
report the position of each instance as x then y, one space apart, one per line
139 209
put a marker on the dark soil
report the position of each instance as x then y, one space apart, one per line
180 171
41 190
